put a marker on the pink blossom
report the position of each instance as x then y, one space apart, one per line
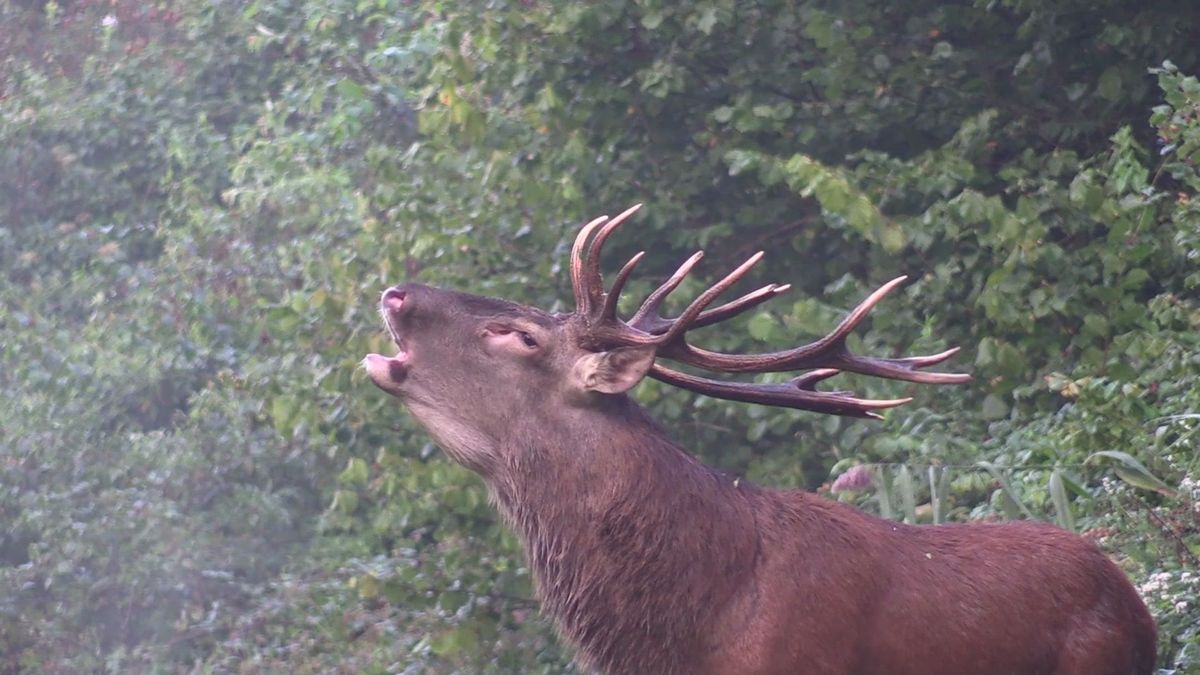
856 478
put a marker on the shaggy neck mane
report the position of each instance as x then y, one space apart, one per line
621 527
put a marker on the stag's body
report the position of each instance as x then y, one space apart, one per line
650 562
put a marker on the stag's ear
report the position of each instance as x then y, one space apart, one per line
614 371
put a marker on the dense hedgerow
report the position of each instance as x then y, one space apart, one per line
199 204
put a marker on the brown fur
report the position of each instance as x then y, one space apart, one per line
650 562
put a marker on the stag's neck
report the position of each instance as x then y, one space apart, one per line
620 526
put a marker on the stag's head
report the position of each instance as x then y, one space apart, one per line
469 367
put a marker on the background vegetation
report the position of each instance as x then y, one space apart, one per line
200 202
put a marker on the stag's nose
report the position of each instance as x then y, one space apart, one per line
393 299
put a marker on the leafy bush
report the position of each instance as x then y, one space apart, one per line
199 205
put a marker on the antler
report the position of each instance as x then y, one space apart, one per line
828 355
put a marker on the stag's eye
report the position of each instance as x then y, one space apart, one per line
511 335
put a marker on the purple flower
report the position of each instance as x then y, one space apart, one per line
856 478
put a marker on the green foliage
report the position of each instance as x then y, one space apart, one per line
199 205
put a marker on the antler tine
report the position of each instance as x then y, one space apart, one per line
609 313
646 319
829 351
788 395
686 320
592 261
809 380
584 293
900 369
858 313
930 360
735 307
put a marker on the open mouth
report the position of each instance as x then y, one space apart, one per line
385 370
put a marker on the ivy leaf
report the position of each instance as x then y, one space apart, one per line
652 20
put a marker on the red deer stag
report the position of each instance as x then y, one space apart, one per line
651 563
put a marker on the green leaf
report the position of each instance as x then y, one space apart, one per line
994 407
1096 325
1109 85
1013 499
761 326
908 494
283 410
367 585
350 90
739 161
345 501
449 643
1062 505
356 472
652 20
984 355
766 111
883 494
1132 471
891 237
938 487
